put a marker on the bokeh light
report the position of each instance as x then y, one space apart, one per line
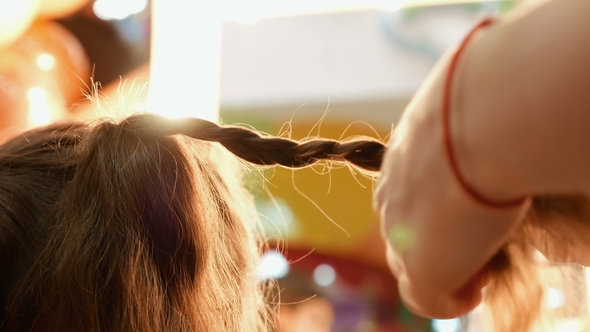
118 9
45 61
40 112
273 265
556 297
446 325
324 275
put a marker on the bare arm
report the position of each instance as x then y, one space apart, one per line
520 118
522 103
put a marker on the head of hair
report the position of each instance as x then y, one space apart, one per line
139 225
110 226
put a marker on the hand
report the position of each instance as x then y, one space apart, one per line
439 239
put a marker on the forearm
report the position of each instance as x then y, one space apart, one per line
521 103
440 238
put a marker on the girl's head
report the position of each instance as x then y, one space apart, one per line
120 227
139 225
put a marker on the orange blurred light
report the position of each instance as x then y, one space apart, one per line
15 18
45 61
58 8
40 112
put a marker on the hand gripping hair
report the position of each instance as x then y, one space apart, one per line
144 225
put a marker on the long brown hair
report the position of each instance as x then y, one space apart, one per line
138 225
115 227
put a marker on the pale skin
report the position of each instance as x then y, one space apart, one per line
520 121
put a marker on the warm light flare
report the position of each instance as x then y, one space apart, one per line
185 59
16 17
45 61
39 110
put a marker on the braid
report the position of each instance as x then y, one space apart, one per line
257 149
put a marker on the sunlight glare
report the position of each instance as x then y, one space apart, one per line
45 61
185 59
273 265
39 111
324 275
446 325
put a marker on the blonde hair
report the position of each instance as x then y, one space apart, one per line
545 252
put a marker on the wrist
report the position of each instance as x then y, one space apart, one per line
481 143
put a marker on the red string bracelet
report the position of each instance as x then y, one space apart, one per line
445 109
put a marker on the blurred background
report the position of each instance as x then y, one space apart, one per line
300 69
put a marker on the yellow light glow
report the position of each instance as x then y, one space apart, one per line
39 110
45 61
15 18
